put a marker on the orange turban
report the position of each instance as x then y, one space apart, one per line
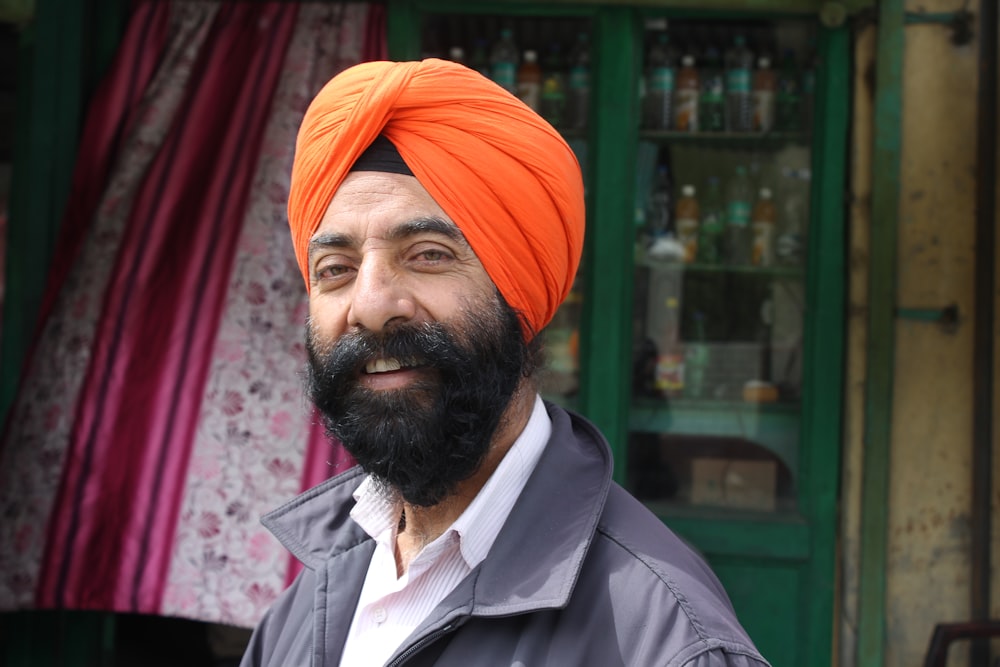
504 175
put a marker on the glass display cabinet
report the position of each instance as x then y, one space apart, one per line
704 333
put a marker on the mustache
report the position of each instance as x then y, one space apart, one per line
410 344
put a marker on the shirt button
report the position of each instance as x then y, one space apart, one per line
378 613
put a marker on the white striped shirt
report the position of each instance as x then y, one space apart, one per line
391 608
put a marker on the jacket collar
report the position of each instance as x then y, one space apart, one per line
536 559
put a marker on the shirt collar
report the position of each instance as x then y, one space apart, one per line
377 512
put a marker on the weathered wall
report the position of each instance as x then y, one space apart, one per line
928 540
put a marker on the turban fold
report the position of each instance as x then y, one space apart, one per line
501 173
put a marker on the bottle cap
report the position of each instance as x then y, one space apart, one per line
456 53
763 62
687 60
765 193
530 56
687 190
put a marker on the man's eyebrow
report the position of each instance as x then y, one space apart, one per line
426 224
423 225
325 241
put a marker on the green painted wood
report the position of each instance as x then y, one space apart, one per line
606 328
775 622
403 30
57 639
718 533
881 333
62 55
823 373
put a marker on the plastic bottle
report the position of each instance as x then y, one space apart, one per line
788 98
762 221
686 94
739 86
578 98
659 210
687 219
809 73
660 63
712 102
764 85
739 200
662 232
664 323
789 247
696 358
713 223
503 61
552 103
456 54
529 80
480 58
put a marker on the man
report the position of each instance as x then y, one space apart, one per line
438 223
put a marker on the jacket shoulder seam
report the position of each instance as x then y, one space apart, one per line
682 601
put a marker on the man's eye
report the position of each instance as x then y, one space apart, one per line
331 271
433 255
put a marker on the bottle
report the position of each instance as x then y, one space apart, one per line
456 54
659 206
713 223
503 61
529 80
552 103
578 99
739 200
764 85
762 222
686 220
808 79
696 358
686 94
480 58
788 98
789 247
712 103
659 84
662 232
664 330
739 72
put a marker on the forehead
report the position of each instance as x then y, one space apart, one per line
373 202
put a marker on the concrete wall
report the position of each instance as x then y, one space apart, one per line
928 540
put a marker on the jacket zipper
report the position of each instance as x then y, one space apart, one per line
424 641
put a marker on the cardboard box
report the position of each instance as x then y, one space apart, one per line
736 483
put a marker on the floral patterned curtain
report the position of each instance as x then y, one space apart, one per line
162 409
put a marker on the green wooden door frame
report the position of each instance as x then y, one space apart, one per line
63 53
881 333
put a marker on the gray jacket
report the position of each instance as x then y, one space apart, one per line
581 574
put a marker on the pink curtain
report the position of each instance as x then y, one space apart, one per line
162 410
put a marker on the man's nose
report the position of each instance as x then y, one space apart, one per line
381 296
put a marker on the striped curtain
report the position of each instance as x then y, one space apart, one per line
162 409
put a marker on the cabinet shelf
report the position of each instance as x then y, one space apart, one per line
773 425
796 272
740 139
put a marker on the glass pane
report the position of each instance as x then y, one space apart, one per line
721 219
546 62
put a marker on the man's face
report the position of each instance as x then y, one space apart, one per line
413 354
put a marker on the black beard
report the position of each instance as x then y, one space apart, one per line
424 439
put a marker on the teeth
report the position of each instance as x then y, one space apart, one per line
383 366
